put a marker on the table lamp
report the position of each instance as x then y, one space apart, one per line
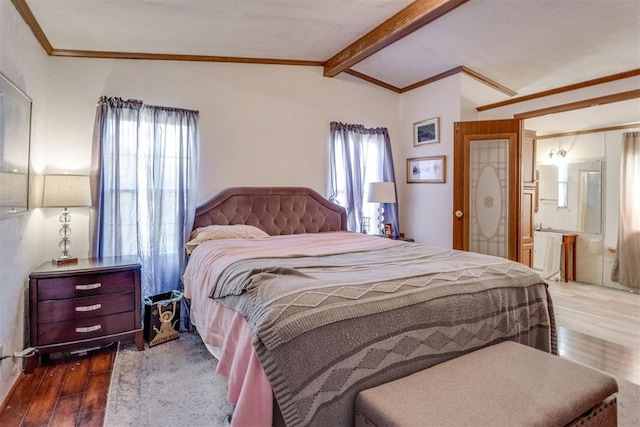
382 192
65 191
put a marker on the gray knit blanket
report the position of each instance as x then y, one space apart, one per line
327 327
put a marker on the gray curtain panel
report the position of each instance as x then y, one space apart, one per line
626 266
144 179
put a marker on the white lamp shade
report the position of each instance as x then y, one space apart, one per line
64 191
382 192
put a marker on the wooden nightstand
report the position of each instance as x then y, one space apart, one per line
83 306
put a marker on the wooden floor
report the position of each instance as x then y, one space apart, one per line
609 314
69 392
597 326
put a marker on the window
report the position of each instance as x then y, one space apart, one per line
563 186
370 171
359 156
147 180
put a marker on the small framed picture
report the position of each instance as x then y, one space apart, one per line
426 132
426 169
388 230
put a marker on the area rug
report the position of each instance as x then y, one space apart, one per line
175 383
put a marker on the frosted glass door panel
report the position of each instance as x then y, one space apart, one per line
489 197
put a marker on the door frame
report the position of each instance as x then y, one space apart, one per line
512 130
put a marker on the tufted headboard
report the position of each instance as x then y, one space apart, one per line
276 210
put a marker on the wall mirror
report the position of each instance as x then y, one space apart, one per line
15 131
570 197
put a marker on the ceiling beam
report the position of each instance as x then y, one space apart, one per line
411 18
586 103
587 131
24 11
575 86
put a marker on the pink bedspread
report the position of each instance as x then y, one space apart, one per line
226 329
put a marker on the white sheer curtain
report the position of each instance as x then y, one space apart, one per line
144 177
626 268
357 157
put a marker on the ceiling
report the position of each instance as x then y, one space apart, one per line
520 46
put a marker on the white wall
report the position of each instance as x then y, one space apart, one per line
259 124
24 62
426 209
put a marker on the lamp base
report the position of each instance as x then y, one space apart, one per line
64 261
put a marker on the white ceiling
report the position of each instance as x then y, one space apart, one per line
311 30
526 45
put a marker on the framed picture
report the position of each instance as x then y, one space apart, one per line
388 230
426 132
426 169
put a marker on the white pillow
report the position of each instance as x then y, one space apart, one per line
215 232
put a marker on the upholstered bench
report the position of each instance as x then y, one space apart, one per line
506 384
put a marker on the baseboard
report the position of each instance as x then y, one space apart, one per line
12 390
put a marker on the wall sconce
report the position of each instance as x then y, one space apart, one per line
560 153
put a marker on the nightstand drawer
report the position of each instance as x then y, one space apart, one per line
85 307
85 285
81 329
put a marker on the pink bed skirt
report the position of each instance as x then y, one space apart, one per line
249 388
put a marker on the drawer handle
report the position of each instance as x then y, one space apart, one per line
89 307
88 287
89 329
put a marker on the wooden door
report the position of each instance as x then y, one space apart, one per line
487 187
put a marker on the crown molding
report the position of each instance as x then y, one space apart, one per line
72 53
461 69
372 80
487 81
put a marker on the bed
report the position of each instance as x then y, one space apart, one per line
309 313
